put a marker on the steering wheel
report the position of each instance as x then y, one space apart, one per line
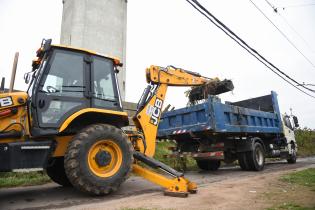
51 89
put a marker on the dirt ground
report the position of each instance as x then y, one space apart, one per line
227 188
257 192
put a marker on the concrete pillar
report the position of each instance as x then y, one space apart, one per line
98 25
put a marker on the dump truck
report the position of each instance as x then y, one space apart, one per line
248 131
71 122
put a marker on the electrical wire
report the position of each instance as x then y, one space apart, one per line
275 9
308 84
241 41
283 34
299 5
196 5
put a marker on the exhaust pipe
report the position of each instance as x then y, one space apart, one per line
15 62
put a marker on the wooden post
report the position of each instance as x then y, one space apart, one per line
15 62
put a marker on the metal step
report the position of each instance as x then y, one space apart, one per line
24 155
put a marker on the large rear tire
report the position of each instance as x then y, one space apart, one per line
56 171
242 161
99 159
256 158
208 165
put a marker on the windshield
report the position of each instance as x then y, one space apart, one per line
65 77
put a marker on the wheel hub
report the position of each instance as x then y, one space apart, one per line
103 158
259 157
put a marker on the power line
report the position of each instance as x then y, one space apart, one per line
299 5
240 41
275 9
243 44
282 33
307 84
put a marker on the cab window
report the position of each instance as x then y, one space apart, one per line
65 76
104 88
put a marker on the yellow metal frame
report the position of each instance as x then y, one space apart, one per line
15 119
115 59
175 185
148 125
66 123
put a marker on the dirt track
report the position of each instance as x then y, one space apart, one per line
226 188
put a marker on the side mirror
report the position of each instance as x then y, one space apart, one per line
27 78
2 84
116 70
296 121
36 64
45 46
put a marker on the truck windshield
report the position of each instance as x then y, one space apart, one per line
287 122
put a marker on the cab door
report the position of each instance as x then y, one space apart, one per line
104 85
61 89
288 129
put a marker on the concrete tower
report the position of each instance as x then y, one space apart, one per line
98 25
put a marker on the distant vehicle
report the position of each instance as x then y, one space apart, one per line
247 131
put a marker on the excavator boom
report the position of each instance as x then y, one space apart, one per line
147 120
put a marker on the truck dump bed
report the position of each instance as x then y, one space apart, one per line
256 115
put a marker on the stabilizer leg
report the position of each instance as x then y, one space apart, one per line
177 186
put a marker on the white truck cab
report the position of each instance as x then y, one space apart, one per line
288 130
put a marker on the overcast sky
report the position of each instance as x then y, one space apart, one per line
164 32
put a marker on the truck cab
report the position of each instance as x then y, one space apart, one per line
288 130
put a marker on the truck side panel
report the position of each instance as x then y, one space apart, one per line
216 117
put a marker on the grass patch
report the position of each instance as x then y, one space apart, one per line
13 179
304 178
177 163
305 139
294 191
291 206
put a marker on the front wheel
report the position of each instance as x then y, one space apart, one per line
292 157
98 159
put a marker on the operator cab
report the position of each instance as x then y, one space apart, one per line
67 80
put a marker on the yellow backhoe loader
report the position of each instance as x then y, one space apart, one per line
70 120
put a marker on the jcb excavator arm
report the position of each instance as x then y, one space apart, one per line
150 105
147 120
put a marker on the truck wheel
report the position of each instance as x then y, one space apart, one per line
242 161
256 158
98 159
56 171
292 157
208 165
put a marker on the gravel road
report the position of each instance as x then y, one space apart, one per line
52 196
